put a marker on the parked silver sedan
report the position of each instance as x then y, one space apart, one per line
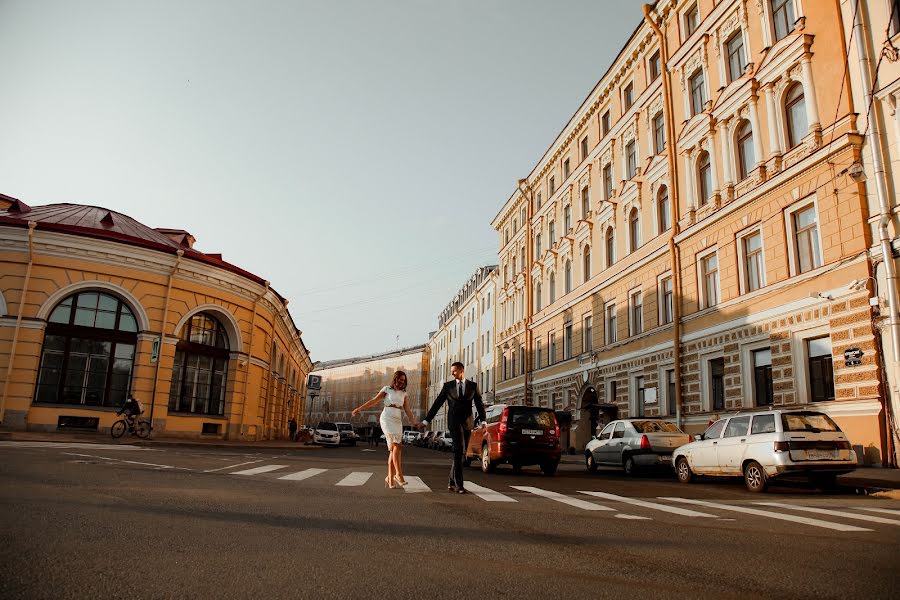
634 443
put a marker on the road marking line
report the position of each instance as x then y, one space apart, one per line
354 479
582 504
652 505
258 470
415 485
487 493
833 513
770 514
70 445
301 475
886 511
130 462
632 517
249 462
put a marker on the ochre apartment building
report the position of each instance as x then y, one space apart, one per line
694 242
95 306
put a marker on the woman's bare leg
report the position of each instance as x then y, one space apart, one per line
398 464
391 464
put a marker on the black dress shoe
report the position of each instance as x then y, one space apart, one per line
451 488
461 491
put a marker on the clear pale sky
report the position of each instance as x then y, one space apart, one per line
351 152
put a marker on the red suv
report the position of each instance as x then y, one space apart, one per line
519 436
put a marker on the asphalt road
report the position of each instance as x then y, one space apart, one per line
88 521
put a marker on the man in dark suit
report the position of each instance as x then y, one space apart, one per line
459 395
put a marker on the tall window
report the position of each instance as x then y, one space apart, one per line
762 378
552 288
709 276
746 159
538 200
587 330
568 276
659 133
821 372
664 213
734 49
585 202
551 227
806 238
88 352
611 323
691 20
584 148
753 261
667 301
717 383
698 92
537 246
637 313
628 96
586 263
538 306
704 178
634 229
784 16
610 247
795 113
670 392
640 396
201 367
655 66
567 168
604 123
538 359
551 357
567 341
631 159
607 181
552 185
567 218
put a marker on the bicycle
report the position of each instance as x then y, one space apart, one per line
141 429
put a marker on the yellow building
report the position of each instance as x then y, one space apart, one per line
692 242
95 306
350 382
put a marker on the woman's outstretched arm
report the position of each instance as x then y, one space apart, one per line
378 398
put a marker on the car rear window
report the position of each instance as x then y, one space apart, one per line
808 421
656 427
538 418
763 424
345 427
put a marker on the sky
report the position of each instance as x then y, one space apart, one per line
351 152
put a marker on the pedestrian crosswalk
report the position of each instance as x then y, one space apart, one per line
598 502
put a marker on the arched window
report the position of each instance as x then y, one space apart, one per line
795 114
568 274
199 376
552 288
610 247
88 351
586 263
664 212
538 299
704 178
634 229
746 159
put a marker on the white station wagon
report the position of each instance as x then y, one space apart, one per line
770 444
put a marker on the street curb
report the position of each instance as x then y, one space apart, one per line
236 446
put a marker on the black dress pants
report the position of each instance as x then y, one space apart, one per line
459 435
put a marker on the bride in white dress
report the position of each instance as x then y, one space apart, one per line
395 403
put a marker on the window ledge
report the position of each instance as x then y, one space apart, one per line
178 413
38 404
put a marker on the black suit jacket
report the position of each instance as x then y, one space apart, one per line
459 409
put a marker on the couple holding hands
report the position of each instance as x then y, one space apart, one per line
459 395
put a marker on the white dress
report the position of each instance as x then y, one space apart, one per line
392 418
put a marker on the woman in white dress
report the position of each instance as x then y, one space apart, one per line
393 399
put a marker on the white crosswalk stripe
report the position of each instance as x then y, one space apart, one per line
415 485
582 504
685 512
488 494
769 514
301 475
885 511
833 513
354 479
258 470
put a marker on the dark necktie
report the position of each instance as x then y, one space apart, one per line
459 389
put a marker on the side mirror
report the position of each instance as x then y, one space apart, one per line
698 437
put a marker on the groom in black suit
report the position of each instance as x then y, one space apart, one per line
459 395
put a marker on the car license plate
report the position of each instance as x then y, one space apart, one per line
820 454
667 458
532 432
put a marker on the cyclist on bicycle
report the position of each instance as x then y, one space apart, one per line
132 409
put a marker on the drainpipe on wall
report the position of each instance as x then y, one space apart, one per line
162 332
674 255
15 341
873 137
250 357
529 299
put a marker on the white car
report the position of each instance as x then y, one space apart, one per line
761 446
326 433
410 435
442 441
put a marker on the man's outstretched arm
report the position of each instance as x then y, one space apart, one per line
438 402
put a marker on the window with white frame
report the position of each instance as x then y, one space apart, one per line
538 359
734 53
567 169
704 178
538 198
610 243
586 262
655 66
631 160
821 369
666 300
604 123
717 383
567 218
628 96
587 331
805 229
584 148
567 272
538 250
552 288
567 341
612 334
636 312
795 115
538 306
663 209
697 83
552 184
639 396
744 141
691 20
607 181
752 263
634 229
551 348
585 202
659 133
763 393
709 279
551 228
784 16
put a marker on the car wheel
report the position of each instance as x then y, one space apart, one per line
683 470
549 469
487 465
629 466
589 462
755 477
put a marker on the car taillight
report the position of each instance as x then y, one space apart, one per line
782 446
501 431
842 445
645 442
557 430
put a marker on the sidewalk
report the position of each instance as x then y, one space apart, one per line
97 438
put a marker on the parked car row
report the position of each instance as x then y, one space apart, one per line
328 433
759 447
434 440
